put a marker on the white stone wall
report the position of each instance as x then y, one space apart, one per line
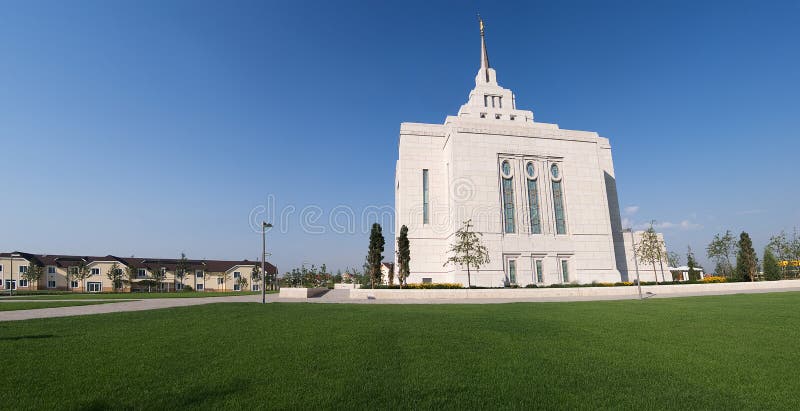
463 157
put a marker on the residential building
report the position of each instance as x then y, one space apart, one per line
62 272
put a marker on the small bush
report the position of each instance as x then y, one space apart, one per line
714 279
433 286
531 286
187 289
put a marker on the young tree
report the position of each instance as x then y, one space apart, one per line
720 249
114 275
242 283
746 258
180 269
785 250
772 271
82 273
403 256
131 273
674 259
255 275
33 274
468 250
225 276
694 275
71 272
651 250
158 274
375 254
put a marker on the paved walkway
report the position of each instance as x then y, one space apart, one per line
113 307
332 297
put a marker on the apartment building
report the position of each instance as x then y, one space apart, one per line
92 273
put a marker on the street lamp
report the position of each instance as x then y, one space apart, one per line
264 226
635 262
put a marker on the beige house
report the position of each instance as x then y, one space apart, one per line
93 274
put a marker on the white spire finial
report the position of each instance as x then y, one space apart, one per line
484 55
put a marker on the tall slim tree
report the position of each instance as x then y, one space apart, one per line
651 250
720 249
694 275
746 261
468 250
375 253
403 256
772 271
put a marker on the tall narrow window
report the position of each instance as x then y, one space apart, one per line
425 199
564 271
539 273
512 271
558 200
508 197
533 199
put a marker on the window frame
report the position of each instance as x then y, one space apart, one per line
51 281
559 201
507 196
426 196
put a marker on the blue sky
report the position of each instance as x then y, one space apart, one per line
152 128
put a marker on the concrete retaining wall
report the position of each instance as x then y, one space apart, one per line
522 293
301 292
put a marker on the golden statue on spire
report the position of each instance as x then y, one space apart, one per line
480 23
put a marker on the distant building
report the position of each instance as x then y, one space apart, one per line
201 275
386 270
682 273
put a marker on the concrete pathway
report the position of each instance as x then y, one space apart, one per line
122 305
331 297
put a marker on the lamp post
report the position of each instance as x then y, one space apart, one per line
636 263
264 226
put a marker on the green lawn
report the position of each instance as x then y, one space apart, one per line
22 305
126 296
724 352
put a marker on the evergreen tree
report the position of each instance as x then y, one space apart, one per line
375 254
746 259
772 271
403 256
694 275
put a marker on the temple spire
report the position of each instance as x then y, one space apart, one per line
484 55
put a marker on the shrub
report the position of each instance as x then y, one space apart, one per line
623 284
431 286
531 286
187 288
714 279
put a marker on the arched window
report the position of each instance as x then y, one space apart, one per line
533 198
558 200
508 197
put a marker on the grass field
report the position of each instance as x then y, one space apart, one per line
724 352
24 305
127 296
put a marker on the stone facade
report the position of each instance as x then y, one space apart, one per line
492 163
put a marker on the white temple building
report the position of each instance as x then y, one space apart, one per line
543 198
